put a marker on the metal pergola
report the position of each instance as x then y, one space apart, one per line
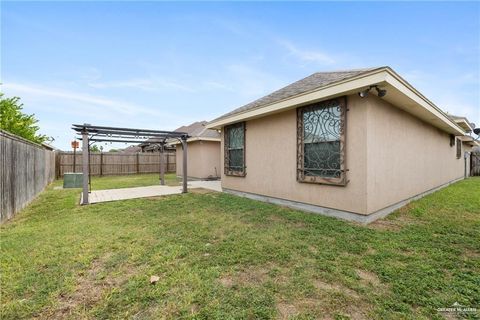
154 139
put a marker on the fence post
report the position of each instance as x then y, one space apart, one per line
74 160
57 165
168 157
101 163
162 165
138 165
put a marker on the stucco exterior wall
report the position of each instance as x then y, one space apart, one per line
203 159
270 153
391 156
405 156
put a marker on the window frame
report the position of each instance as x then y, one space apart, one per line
301 176
226 159
458 147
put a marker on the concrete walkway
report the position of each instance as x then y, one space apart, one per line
98 196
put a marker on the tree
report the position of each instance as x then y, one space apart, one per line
94 148
13 120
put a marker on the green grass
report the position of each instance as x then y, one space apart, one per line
135 180
223 257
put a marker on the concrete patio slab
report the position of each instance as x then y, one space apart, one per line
99 196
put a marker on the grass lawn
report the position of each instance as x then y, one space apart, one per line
223 257
134 180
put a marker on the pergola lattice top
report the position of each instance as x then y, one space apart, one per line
91 133
127 135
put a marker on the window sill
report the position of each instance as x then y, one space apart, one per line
236 174
339 182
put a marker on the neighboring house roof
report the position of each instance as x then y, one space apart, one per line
198 131
463 122
323 85
469 140
131 149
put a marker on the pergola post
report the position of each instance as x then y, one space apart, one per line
127 135
162 164
184 164
85 166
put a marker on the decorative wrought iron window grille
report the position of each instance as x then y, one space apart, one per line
459 148
234 149
321 142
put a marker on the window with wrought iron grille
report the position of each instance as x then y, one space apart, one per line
321 142
234 160
459 148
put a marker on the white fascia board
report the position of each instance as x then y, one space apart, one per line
196 139
465 121
396 81
336 89
345 87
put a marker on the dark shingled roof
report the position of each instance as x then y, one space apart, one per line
310 83
198 130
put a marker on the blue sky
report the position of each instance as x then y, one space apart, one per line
161 65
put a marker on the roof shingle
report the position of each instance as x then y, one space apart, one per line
198 130
310 83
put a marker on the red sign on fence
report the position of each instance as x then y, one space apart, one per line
75 144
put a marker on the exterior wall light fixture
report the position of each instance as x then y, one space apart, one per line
380 92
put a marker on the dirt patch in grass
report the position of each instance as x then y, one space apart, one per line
292 309
326 308
286 311
90 288
469 254
227 281
335 288
313 249
369 277
247 277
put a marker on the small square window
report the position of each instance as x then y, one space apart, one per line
452 140
459 148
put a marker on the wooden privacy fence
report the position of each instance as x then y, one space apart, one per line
25 169
113 163
475 163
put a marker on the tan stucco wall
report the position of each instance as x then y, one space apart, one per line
271 162
203 159
391 156
405 156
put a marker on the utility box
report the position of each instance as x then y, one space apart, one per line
72 180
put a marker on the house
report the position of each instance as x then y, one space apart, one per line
354 144
203 147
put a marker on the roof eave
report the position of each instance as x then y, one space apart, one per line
417 104
466 125
193 139
330 90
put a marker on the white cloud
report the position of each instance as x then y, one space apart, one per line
252 82
452 92
146 84
307 55
111 104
